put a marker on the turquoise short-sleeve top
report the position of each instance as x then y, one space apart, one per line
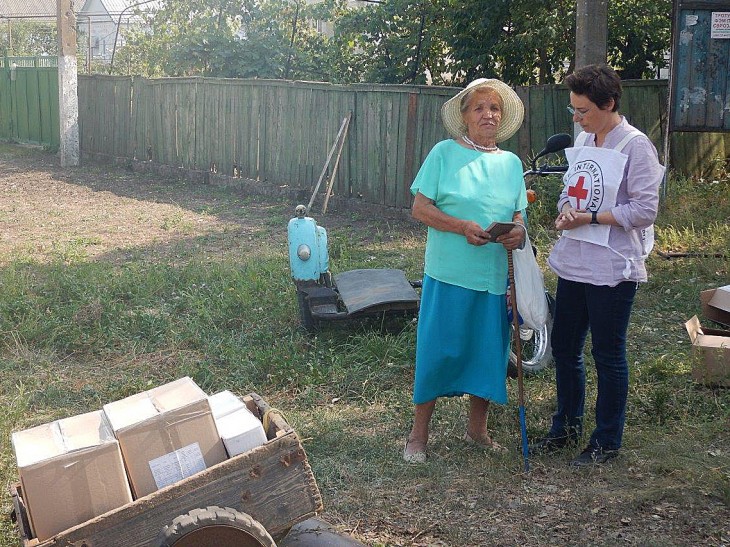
470 185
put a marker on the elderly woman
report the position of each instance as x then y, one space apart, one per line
464 184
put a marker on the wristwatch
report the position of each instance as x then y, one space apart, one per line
594 218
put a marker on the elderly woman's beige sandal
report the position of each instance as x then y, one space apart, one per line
413 456
487 443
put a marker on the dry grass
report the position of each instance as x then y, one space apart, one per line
111 282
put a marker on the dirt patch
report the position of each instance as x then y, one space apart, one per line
111 213
51 212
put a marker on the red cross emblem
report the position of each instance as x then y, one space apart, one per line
578 192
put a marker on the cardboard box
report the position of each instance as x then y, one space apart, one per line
239 429
71 471
712 347
166 434
716 304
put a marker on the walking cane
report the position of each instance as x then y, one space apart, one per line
518 353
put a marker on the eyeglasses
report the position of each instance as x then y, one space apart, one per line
578 113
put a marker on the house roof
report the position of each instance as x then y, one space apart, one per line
11 9
115 7
112 7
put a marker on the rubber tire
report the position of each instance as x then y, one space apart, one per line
537 353
223 526
308 322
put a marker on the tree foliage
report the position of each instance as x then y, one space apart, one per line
537 42
392 41
396 41
639 35
229 38
28 38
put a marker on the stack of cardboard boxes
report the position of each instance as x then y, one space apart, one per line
712 346
78 468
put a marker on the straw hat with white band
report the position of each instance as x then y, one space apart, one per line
513 111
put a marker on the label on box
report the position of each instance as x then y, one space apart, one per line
178 465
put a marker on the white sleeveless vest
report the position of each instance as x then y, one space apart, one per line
591 184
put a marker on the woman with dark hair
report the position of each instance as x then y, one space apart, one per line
606 214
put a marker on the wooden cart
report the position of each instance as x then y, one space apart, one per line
252 499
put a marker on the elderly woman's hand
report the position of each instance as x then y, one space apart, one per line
514 239
474 233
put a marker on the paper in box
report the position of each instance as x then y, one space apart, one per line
239 429
71 471
166 434
712 347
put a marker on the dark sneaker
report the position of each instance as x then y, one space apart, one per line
551 443
593 456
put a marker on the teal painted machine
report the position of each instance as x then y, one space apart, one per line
356 293
308 252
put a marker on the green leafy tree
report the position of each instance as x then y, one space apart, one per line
537 42
453 42
28 38
186 37
639 35
523 42
445 42
311 54
475 28
395 41
230 38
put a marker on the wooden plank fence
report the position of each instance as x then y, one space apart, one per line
280 132
29 101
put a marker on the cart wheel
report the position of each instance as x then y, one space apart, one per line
305 312
215 527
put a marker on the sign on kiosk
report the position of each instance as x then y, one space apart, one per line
720 26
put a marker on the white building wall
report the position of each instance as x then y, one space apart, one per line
100 29
326 27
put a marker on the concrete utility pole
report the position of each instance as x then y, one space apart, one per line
68 99
591 36
591 32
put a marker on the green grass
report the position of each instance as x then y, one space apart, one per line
76 333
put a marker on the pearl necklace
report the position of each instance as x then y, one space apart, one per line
476 146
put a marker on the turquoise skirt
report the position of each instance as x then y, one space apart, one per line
462 344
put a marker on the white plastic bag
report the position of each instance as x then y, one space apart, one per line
532 303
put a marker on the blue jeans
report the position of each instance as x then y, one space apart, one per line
605 311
